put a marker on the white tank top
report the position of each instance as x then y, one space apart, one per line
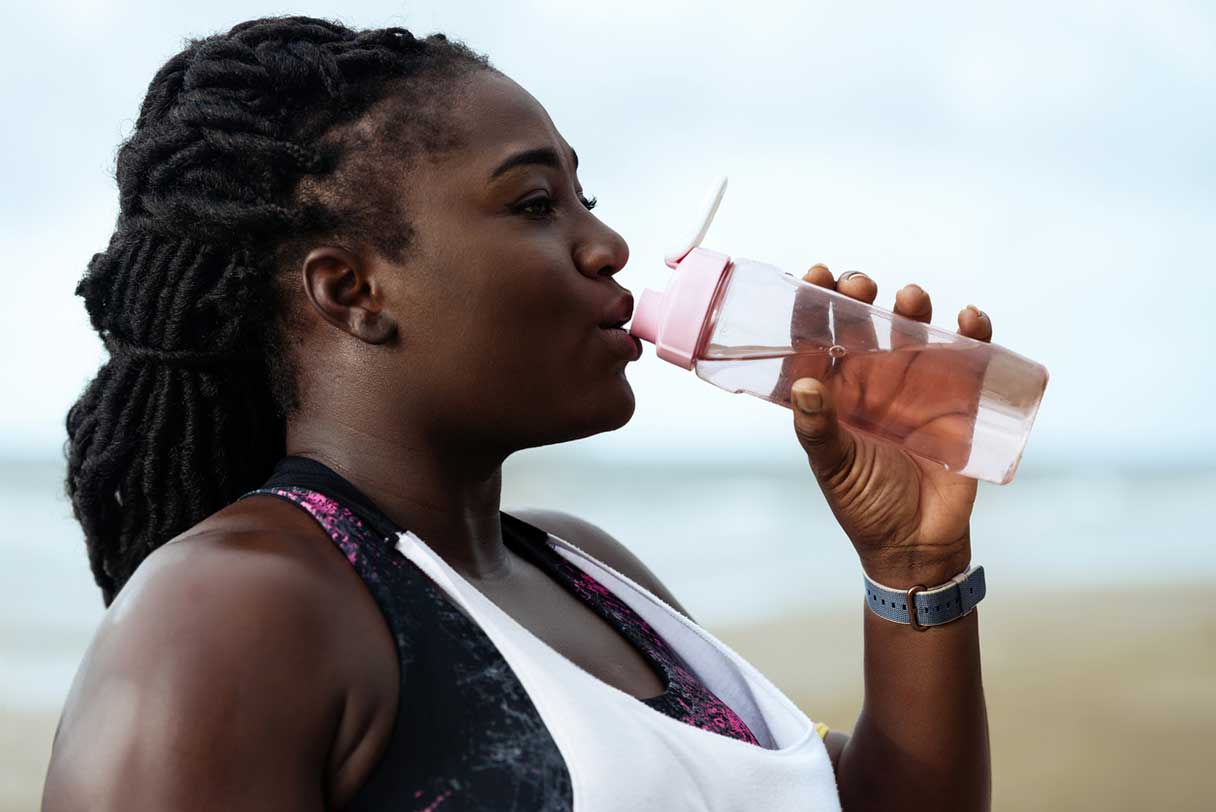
624 755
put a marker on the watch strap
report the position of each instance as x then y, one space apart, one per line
933 607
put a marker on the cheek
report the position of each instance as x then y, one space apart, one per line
512 342
517 332
539 337
536 313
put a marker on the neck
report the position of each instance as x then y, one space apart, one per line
448 496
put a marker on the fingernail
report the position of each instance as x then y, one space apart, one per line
978 312
809 401
850 275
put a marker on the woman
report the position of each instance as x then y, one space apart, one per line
353 272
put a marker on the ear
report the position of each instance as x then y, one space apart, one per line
344 289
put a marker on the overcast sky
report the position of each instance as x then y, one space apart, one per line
1053 163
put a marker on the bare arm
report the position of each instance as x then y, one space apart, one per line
206 687
922 735
921 739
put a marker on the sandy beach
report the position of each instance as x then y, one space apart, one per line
1102 700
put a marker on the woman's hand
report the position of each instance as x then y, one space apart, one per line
908 518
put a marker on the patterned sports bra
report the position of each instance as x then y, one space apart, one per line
467 735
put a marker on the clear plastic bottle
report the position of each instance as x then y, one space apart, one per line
750 327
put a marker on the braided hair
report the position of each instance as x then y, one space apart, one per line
249 146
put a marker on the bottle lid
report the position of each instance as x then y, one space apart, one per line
674 319
707 219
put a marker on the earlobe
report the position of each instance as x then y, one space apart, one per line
344 291
374 327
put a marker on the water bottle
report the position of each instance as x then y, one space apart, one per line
746 326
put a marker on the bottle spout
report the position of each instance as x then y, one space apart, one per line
711 208
673 319
647 315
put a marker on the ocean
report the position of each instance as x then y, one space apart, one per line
735 542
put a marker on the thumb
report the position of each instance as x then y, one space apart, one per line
828 446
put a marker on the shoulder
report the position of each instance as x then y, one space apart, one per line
209 598
601 545
216 675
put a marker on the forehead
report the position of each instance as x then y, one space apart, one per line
495 117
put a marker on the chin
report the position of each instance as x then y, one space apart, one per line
627 401
605 408
628 404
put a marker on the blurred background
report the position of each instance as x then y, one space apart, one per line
1051 163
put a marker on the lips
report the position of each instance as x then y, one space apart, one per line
621 342
619 313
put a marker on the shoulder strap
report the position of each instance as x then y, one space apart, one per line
303 473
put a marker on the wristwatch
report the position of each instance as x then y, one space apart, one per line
922 607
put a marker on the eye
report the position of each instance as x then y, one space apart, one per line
538 207
541 207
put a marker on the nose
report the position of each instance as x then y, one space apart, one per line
602 253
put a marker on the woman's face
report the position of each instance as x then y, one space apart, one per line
501 298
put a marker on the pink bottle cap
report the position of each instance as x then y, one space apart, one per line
674 319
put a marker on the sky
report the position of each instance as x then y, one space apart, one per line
1051 163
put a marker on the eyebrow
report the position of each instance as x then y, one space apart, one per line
545 156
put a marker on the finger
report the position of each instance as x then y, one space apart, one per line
914 303
828 446
853 326
821 276
972 363
974 323
857 285
911 302
809 321
810 333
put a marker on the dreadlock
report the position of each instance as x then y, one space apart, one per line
248 145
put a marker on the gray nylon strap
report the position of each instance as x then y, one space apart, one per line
942 604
